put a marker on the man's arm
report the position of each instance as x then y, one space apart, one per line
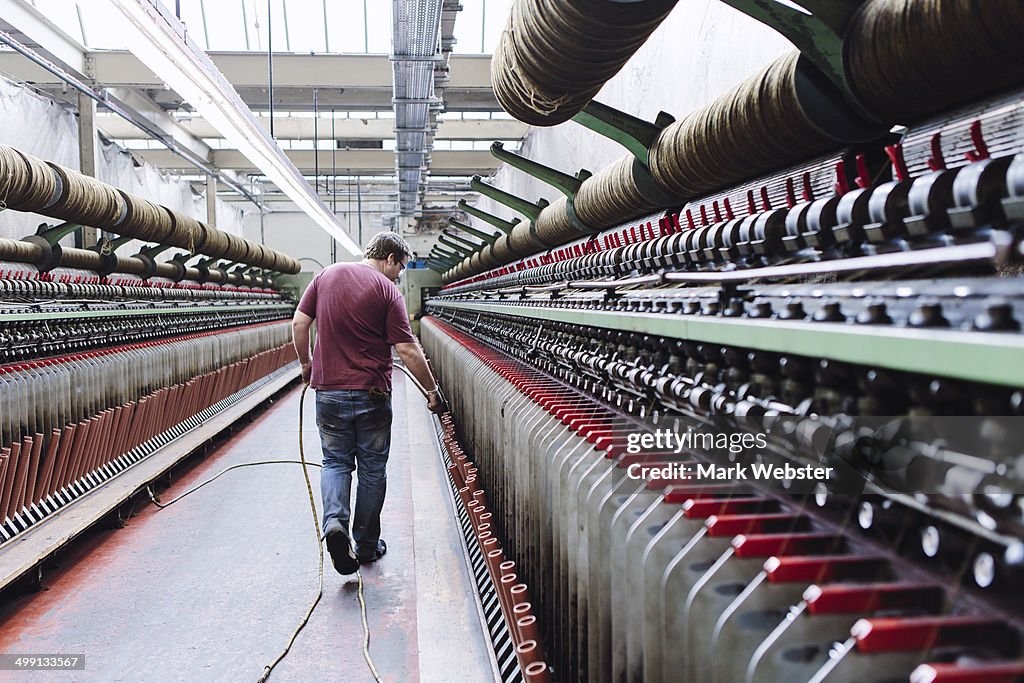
300 338
412 355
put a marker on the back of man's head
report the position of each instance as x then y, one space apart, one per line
383 244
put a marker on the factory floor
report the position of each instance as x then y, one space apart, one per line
211 588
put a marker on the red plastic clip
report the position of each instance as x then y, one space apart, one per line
807 193
790 193
980 151
937 162
842 185
751 207
899 161
703 215
729 215
766 204
718 212
689 219
863 174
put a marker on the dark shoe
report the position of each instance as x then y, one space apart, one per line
340 548
378 553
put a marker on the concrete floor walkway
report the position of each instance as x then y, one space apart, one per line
210 588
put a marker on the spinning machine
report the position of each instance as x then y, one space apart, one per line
826 259
114 368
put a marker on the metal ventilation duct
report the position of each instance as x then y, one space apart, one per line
421 43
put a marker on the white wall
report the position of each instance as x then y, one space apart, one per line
702 49
295 234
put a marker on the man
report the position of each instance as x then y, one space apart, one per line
360 315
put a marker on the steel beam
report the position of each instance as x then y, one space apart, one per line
144 108
345 129
249 69
975 356
211 201
87 152
364 161
25 19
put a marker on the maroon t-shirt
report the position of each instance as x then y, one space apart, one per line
359 315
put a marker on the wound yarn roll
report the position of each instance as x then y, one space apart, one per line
756 127
908 59
611 196
30 184
146 220
554 55
87 201
26 183
553 225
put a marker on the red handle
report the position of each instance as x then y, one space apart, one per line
924 633
872 597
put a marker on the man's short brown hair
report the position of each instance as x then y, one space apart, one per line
383 244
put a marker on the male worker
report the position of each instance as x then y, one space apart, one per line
360 315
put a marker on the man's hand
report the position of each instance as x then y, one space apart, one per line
436 404
307 371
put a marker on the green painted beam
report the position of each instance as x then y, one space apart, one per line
501 224
488 237
470 244
973 356
154 250
55 233
563 182
529 209
633 133
454 246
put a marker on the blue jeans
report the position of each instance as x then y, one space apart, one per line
355 434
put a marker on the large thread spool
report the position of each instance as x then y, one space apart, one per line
911 58
275 260
215 242
262 255
236 248
86 201
758 126
611 196
83 259
503 251
187 233
19 251
145 220
521 241
26 183
130 264
553 225
554 55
